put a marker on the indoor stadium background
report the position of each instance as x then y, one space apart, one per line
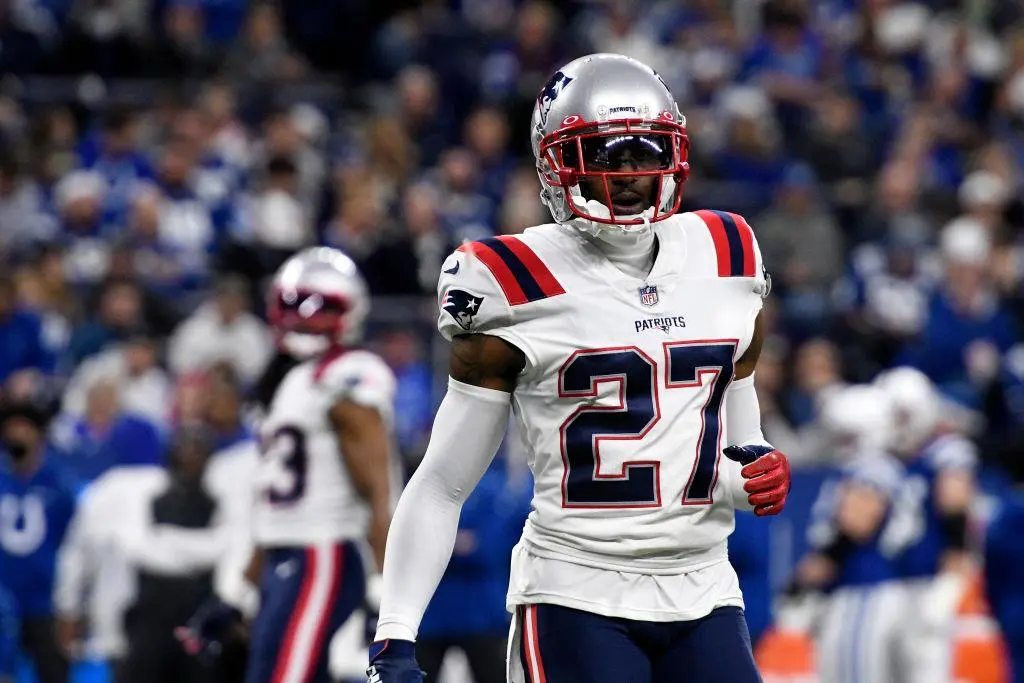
159 158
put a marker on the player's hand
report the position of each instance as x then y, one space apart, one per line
393 661
205 633
768 477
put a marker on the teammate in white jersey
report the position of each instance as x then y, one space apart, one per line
623 337
325 478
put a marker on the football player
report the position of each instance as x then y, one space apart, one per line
856 536
325 477
623 337
936 497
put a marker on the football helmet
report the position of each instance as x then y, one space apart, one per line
602 118
857 418
916 404
318 301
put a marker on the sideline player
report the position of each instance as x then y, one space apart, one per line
325 477
624 338
856 536
934 502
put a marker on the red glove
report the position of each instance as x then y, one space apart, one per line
768 477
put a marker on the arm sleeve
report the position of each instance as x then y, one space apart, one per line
468 429
743 428
73 568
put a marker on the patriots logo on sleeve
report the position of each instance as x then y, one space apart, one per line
462 306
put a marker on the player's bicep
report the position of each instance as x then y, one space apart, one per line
363 434
748 361
861 511
484 361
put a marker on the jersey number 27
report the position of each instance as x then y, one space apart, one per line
688 365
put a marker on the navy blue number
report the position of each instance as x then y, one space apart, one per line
688 364
287 447
637 483
583 485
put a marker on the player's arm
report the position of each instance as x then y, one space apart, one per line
954 491
468 428
765 473
363 433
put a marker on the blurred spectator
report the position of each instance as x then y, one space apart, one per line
119 313
156 260
422 112
79 198
101 434
23 345
163 602
224 409
802 246
182 50
841 153
816 372
95 582
42 288
114 153
229 138
37 502
967 327
786 62
487 137
186 224
466 214
414 406
283 136
752 161
884 298
406 260
144 387
106 36
22 210
262 53
279 220
216 332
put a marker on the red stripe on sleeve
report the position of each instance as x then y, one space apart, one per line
747 238
717 230
540 272
506 280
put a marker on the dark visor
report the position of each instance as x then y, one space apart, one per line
617 152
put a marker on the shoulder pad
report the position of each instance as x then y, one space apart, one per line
484 281
358 376
736 249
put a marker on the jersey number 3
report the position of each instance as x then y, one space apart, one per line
689 365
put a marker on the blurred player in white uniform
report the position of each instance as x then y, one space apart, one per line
857 534
623 337
936 497
325 478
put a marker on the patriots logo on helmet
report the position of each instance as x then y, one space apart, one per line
462 306
550 92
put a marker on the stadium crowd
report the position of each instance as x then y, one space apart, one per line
158 160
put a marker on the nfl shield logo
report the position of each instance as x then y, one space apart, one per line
648 295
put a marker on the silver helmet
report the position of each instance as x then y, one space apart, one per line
318 301
603 123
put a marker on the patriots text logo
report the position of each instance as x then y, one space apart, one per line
547 96
462 306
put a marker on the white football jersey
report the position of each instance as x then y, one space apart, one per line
304 493
621 403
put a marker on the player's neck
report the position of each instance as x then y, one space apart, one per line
631 252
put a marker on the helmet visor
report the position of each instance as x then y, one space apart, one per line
627 153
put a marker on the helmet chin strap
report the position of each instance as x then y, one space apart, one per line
629 247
